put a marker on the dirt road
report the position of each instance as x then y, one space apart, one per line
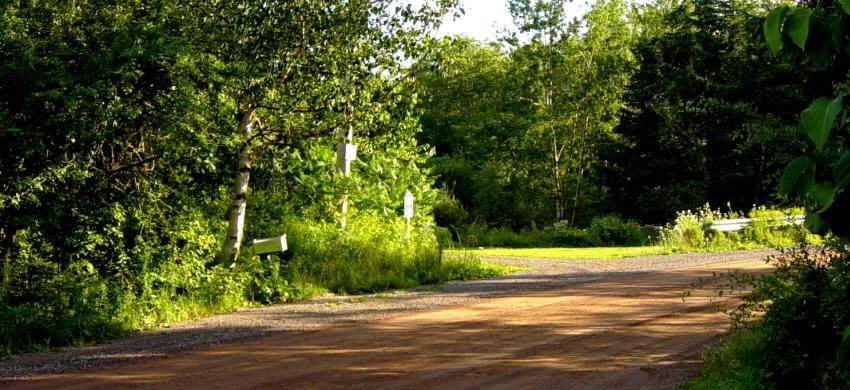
622 330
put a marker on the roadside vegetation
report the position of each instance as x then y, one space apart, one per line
769 228
603 231
78 306
144 145
795 325
793 329
366 259
690 231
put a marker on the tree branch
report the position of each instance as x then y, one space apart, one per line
127 167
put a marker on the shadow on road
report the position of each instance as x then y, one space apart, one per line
627 330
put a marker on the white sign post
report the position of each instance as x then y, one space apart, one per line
345 154
408 212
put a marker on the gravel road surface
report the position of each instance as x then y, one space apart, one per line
325 318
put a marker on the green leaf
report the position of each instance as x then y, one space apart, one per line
845 5
839 21
817 120
773 28
792 174
841 172
823 194
842 356
797 26
815 223
806 181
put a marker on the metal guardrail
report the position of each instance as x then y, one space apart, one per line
731 225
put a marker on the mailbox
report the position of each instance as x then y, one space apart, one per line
270 245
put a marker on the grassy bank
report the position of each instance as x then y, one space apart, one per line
79 305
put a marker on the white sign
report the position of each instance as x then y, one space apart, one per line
350 152
408 205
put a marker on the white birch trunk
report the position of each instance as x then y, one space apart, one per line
344 166
236 213
556 176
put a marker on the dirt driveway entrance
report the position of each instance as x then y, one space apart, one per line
618 328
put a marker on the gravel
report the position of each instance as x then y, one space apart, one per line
540 274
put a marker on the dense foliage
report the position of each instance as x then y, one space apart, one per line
139 139
603 231
802 338
143 143
517 132
792 327
709 110
639 112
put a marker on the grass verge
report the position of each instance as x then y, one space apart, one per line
569 253
737 363
79 305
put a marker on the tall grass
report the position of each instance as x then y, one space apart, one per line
608 230
738 363
688 231
79 305
371 256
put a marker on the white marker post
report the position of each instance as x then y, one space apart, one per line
408 212
345 154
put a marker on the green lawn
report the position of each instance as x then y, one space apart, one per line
569 253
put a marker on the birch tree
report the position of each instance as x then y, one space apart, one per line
546 25
577 71
293 70
597 73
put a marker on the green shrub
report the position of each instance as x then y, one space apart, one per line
565 236
738 363
806 308
371 255
687 231
480 236
603 231
769 229
792 326
611 230
448 211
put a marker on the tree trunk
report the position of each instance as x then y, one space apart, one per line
559 191
580 169
344 166
576 198
7 247
236 216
